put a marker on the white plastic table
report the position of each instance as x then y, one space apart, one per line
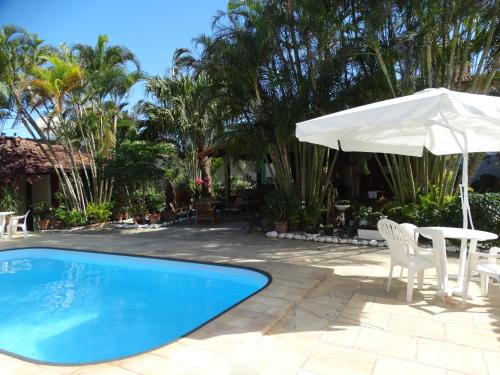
469 239
3 215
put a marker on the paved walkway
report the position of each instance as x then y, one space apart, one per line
326 312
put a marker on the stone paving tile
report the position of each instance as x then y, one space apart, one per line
386 343
326 312
151 364
451 356
329 359
387 366
418 327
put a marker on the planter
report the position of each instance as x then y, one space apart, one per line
118 216
370 234
169 216
154 218
43 224
139 219
58 224
342 207
281 226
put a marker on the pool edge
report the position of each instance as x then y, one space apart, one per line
76 364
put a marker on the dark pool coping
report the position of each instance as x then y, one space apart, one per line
228 265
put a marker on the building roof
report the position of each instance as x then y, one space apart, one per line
36 160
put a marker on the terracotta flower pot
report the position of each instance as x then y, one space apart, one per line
43 224
117 216
154 218
58 224
281 226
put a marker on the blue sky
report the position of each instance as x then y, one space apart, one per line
152 29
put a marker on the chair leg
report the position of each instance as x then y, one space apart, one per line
420 279
485 280
409 287
25 230
390 278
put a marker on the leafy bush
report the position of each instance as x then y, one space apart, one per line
485 211
154 200
366 217
42 211
281 206
9 200
98 212
70 218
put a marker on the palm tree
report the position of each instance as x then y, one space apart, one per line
108 82
184 111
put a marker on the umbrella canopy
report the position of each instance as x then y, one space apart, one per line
436 119
440 120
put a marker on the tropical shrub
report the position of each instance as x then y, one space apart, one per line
9 200
281 206
98 212
365 216
70 218
154 201
42 211
485 211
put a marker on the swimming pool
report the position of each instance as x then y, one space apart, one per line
75 307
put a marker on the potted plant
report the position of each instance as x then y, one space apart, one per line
155 203
281 207
42 213
367 219
343 204
8 202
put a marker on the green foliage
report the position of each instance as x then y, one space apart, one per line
70 218
485 210
154 201
138 162
42 211
9 200
368 215
98 212
281 206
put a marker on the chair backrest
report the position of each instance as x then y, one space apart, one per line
397 239
25 216
410 229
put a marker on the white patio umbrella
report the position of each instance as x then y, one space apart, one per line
441 120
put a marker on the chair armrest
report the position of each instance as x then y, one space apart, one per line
477 255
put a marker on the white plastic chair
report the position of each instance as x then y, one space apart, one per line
19 222
484 264
405 253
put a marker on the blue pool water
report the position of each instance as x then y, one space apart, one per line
72 307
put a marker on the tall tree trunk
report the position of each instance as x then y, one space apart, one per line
204 164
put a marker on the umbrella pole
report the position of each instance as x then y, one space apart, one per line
464 189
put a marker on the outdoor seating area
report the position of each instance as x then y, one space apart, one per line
10 224
250 187
326 308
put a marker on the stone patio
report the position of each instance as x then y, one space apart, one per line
326 312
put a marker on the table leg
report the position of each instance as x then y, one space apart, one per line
465 248
439 245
